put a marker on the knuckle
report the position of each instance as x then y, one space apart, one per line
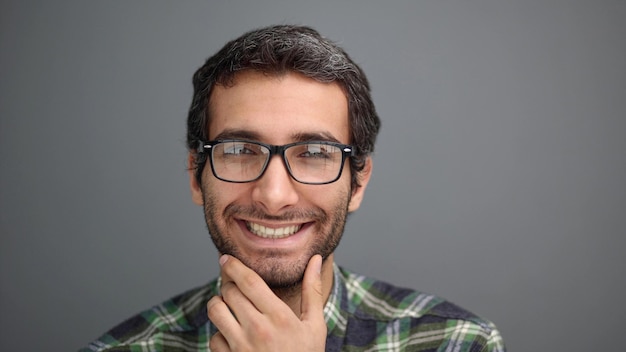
214 306
261 331
230 291
317 288
227 288
250 280
282 319
215 342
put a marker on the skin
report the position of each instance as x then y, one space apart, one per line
274 290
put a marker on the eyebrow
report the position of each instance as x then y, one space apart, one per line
296 137
314 136
237 134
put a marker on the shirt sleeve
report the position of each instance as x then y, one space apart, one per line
495 342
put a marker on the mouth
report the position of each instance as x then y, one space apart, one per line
272 232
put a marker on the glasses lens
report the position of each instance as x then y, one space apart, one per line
314 162
239 161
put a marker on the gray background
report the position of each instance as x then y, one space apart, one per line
499 177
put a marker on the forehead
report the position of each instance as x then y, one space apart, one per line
277 108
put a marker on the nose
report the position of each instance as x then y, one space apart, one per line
276 189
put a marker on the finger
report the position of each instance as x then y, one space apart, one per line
249 283
223 319
312 306
218 343
239 304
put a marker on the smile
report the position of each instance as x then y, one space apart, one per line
270 232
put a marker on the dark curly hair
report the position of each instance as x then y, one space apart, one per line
277 50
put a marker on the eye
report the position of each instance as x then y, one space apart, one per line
241 148
316 151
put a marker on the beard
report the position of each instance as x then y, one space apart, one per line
278 274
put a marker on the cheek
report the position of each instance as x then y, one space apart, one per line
329 196
222 193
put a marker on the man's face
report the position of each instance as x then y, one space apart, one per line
244 219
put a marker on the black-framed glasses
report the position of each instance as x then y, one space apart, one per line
311 162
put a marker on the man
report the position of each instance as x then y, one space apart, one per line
280 134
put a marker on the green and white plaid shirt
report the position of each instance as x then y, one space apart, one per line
362 314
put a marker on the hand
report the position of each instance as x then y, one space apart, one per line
250 317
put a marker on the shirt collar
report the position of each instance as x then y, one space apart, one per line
335 308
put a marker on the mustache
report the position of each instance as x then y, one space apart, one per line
254 212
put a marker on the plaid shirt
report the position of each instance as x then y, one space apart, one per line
361 314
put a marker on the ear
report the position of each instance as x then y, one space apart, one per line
359 191
196 189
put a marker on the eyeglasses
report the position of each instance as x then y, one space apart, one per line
314 162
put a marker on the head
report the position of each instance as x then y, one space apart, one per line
277 50
280 85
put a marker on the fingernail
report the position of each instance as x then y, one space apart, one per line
223 259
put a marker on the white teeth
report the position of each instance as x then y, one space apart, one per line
269 232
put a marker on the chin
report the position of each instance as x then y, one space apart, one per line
278 274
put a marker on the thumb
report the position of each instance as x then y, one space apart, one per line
312 305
